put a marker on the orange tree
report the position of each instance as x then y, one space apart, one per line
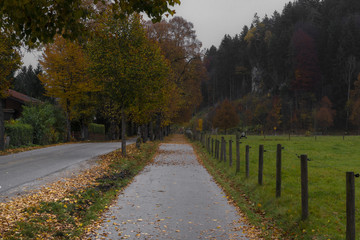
225 116
65 78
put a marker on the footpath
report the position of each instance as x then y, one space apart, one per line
172 198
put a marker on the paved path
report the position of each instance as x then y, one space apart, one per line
27 170
173 198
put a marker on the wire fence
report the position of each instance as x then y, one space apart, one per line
223 150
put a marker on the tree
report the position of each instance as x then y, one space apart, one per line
27 82
38 21
9 61
325 114
307 72
179 44
129 66
354 103
65 77
273 118
225 116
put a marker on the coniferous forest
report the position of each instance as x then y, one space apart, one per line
297 70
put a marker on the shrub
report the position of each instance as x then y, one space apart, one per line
96 128
47 121
20 134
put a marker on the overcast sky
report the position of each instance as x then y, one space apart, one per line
213 19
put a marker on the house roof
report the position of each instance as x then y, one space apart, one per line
22 97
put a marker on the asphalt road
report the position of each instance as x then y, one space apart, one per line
173 198
27 170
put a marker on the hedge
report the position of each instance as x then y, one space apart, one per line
20 134
96 128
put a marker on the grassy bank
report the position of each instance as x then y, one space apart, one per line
75 214
331 158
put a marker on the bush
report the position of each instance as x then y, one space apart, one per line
96 128
47 121
20 134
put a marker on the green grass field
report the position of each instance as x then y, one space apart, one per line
331 157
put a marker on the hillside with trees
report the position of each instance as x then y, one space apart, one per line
296 70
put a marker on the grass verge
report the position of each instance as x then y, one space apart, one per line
74 215
331 158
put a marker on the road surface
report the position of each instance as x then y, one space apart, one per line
173 198
27 170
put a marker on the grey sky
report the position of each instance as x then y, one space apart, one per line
213 19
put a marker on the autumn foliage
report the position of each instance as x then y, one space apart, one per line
325 114
225 116
65 78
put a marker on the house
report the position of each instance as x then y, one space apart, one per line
12 105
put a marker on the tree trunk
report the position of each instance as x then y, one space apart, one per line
145 133
68 128
112 130
158 128
123 131
151 131
2 127
161 134
68 122
84 131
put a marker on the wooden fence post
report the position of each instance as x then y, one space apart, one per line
261 164
209 144
350 206
247 161
217 149
304 188
237 156
224 151
230 152
212 147
206 143
278 171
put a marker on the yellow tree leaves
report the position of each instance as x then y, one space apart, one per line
65 78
